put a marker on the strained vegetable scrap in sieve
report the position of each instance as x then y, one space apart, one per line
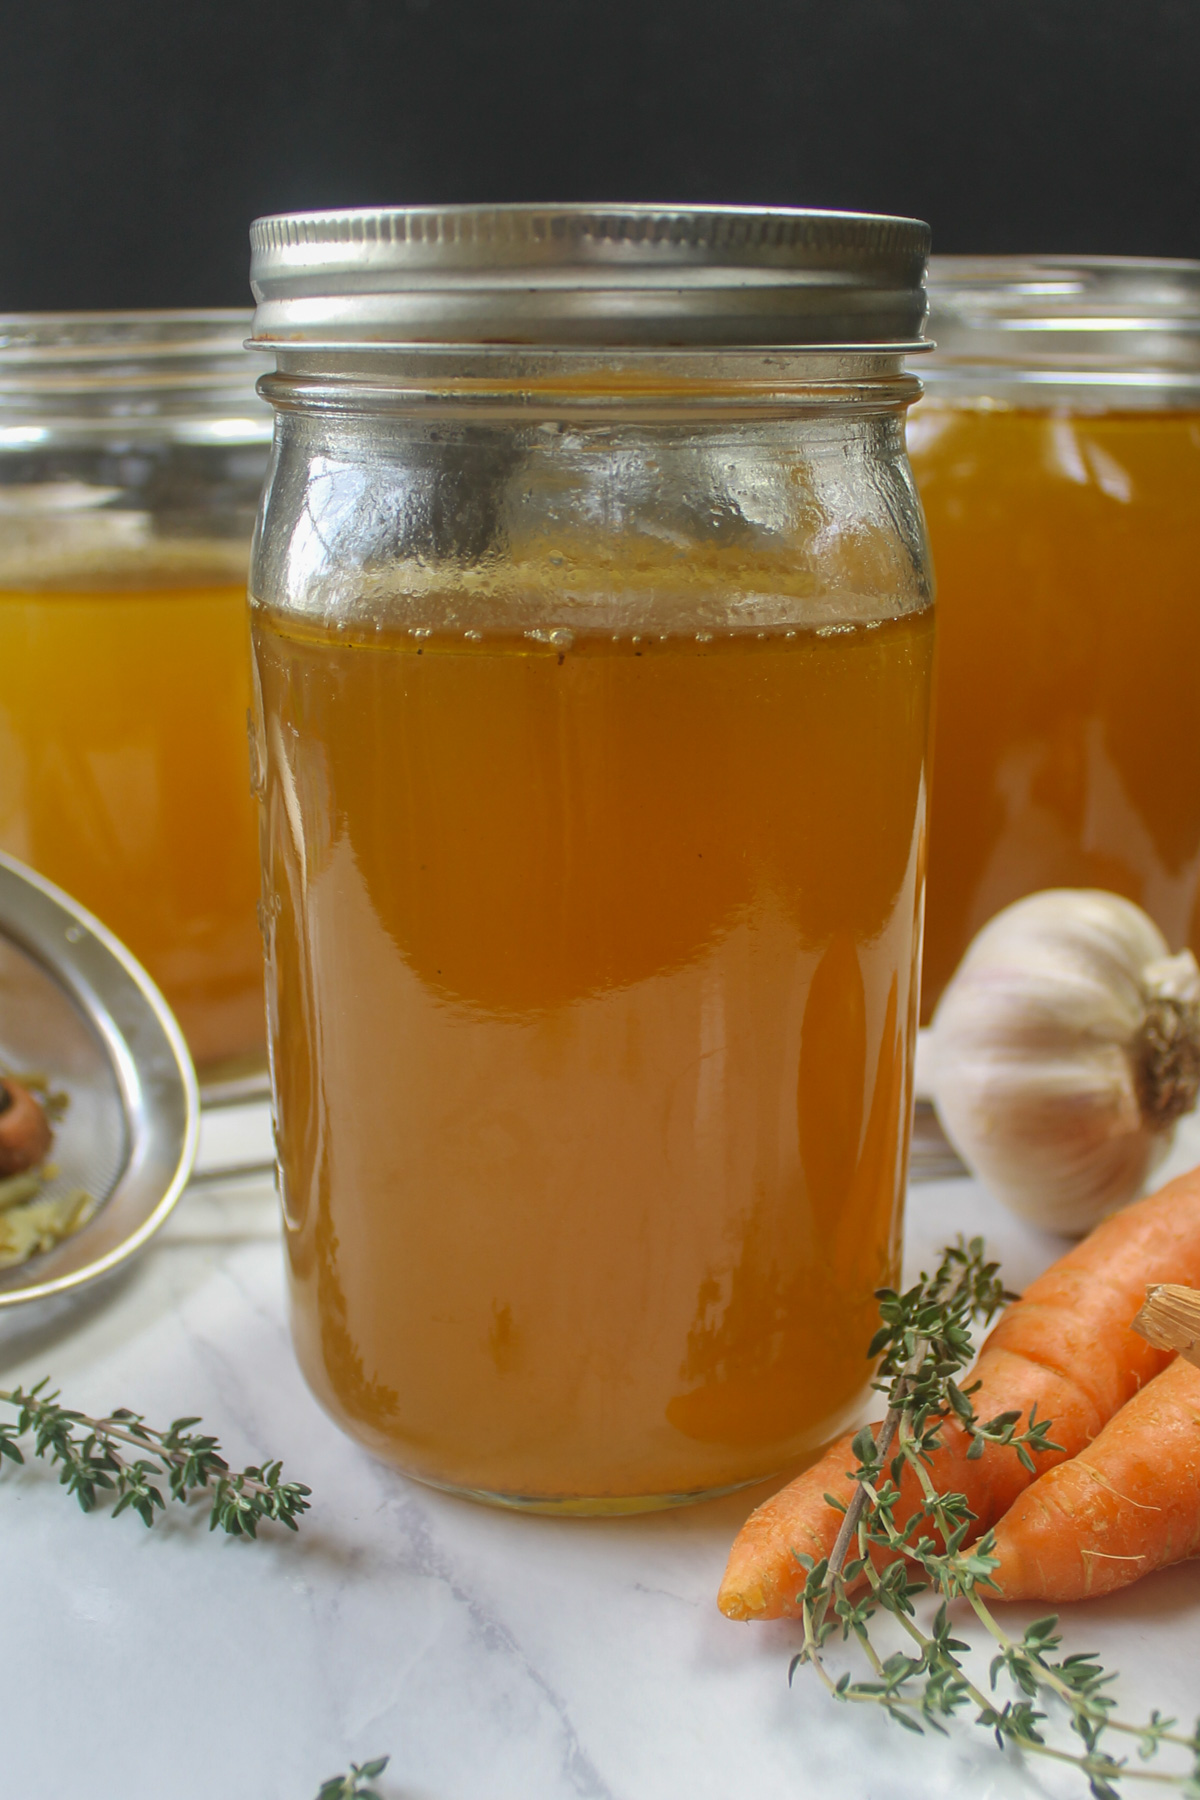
33 1217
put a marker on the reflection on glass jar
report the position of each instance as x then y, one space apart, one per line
593 690
1057 454
132 450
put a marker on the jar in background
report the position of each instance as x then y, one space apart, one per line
132 451
1057 453
592 637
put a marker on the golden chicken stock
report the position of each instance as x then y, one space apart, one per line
124 777
1067 551
592 960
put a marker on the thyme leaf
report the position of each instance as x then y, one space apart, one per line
355 1785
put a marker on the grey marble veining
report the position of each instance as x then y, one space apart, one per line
494 1656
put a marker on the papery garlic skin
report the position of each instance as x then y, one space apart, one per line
1041 1063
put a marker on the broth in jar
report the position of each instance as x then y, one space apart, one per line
124 778
604 950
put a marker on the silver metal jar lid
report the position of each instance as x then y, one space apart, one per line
1112 325
588 276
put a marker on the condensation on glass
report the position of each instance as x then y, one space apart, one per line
592 638
1057 453
132 452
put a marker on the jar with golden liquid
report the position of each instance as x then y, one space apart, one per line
1057 453
592 637
132 452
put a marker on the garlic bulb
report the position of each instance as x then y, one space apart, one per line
1063 1052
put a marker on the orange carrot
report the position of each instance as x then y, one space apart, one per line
1065 1347
1126 1504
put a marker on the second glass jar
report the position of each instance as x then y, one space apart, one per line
132 452
1057 451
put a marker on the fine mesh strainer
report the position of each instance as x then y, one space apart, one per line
75 1006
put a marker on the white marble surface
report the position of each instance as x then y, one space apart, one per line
494 1657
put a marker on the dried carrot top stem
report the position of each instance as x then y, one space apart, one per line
1170 1320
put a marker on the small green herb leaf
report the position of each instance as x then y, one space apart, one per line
355 1785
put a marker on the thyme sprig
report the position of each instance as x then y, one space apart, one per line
93 1462
882 1562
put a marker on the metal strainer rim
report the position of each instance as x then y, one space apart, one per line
150 1063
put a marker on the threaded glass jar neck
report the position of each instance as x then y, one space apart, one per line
617 383
1103 332
180 375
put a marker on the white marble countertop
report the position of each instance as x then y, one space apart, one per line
493 1656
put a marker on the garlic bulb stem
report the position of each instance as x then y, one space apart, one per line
1166 1051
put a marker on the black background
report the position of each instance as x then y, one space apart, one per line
139 137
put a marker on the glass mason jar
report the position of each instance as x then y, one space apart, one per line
132 452
1057 453
592 636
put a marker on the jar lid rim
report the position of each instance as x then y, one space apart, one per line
602 275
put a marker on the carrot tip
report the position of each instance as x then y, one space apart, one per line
737 1603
